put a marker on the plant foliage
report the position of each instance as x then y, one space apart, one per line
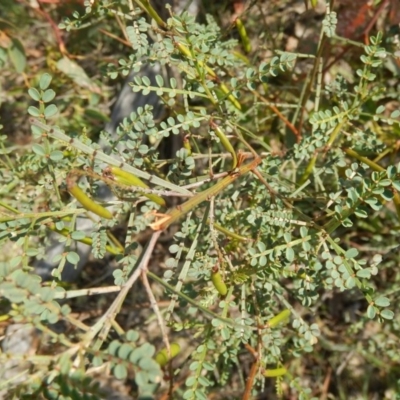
278 248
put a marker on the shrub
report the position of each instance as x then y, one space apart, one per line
276 253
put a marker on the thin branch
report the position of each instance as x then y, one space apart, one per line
104 323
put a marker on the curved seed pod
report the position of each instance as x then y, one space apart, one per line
86 202
231 97
271 373
218 282
162 356
131 180
281 317
225 142
243 35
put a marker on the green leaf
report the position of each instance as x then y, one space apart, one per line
387 314
361 213
395 114
17 56
396 185
34 93
56 155
45 81
50 110
350 282
189 394
160 80
289 254
371 311
190 381
77 74
347 223
34 111
96 115
97 361
73 257
113 347
200 395
351 253
141 378
204 381
120 371
382 301
48 95
124 351
77 235
173 83
38 149
364 273
146 81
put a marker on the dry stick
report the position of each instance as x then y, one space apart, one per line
157 312
56 29
86 292
325 386
279 115
125 42
104 323
250 380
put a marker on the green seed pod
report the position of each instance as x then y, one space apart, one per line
131 180
127 178
243 35
162 356
218 282
86 202
281 317
225 142
231 97
272 373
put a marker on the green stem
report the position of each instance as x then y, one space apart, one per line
180 210
352 153
146 6
230 234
